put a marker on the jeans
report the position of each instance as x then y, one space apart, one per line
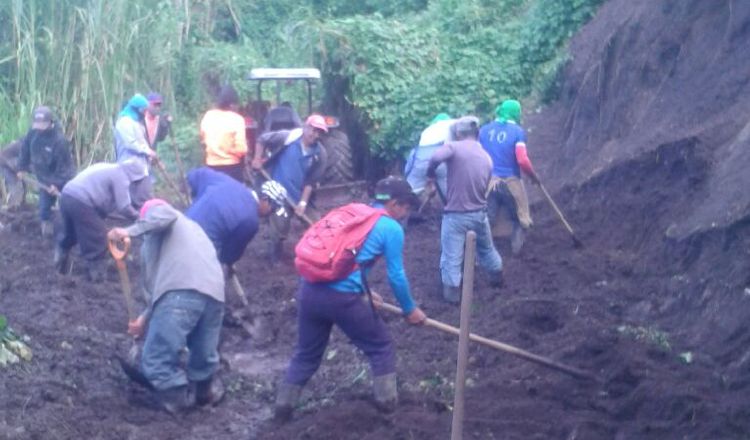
453 239
318 309
46 202
182 318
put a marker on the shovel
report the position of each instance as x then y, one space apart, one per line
39 185
253 328
119 254
541 360
576 242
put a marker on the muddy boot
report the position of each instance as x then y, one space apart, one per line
62 260
287 397
451 294
47 229
516 239
209 391
175 400
496 279
385 392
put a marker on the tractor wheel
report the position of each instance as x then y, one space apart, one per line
340 168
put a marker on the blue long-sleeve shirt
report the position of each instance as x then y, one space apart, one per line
225 209
387 239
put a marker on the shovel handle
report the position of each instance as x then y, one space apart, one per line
497 345
119 253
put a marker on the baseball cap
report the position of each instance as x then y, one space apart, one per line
42 118
154 98
395 188
317 121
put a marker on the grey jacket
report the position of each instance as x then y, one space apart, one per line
176 255
106 187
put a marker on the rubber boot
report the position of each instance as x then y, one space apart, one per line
385 392
496 279
47 228
209 391
516 239
175 400
287 397
62 260
451 294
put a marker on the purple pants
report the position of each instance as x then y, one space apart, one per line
318 309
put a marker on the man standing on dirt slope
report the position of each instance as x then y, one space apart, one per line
157 124
505 141
222 131
16 193
341 302
185 284
298 163
469 174
86 201
46 153
432 138
228 211
131 144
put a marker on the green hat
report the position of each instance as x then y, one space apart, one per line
440 117
509 110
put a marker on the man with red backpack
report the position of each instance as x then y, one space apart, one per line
326 297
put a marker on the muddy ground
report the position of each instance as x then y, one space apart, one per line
646 151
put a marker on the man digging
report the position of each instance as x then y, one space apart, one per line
185 283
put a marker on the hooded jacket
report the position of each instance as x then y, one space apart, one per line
46 153
130 133
106 187
225 209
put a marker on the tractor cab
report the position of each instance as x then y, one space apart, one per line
266 116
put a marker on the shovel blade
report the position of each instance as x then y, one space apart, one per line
134 374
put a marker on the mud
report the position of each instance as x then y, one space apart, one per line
655 304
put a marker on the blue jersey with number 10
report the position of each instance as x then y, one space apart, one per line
499 139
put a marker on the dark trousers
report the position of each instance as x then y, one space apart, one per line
82 225
236 171
46 202
318 309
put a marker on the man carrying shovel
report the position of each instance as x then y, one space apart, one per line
323 304
298 164
45 152
185 283
505 141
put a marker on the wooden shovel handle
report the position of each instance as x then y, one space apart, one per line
497 345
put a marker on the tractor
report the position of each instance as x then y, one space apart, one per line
262 117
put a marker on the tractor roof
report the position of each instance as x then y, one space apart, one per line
271 73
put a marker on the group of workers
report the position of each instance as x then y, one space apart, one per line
186 257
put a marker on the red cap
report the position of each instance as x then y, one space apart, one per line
317 121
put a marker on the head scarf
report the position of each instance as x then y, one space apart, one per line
135 107
509 110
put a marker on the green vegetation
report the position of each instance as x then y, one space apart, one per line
396 62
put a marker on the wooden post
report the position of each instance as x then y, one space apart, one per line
463 336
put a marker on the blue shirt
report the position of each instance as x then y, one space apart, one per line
292 167
221 206
499 140
387 239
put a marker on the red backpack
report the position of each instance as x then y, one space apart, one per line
327 250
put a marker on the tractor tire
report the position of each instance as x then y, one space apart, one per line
340 168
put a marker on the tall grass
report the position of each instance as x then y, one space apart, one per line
83 58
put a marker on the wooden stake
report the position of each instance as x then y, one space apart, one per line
467 293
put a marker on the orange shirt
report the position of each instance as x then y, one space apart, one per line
223 133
